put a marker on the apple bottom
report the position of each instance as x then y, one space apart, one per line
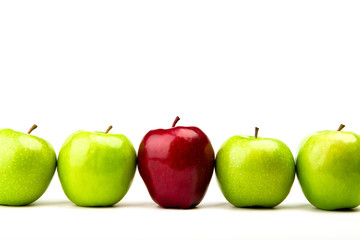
177 189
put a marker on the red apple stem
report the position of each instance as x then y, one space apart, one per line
175 121
256 132
108 129
32 128
341 127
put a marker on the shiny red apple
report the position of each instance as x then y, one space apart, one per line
176 165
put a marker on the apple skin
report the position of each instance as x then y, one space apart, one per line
96 169
176 165
255 172
27 165
328 169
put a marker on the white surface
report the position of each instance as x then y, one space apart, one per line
288 67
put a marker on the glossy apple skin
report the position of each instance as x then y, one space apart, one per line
176 165
27 165
96 169
255 172
328 169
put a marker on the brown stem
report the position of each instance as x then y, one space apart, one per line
32 128
341 127
108 129
175 121
256 131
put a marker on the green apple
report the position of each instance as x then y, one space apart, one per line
328 169
96 168
27 165
255 172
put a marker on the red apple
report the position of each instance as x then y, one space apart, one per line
176 165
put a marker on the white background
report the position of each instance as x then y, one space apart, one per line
288 67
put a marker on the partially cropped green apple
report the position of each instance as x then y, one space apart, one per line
27 165
96 168
328 169
255 172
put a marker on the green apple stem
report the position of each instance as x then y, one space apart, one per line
175 121
108 129
341 127
32 128
256 131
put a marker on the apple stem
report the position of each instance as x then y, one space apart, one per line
256 132
32 128
175 121
341 127
108 129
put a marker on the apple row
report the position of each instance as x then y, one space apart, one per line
176 165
